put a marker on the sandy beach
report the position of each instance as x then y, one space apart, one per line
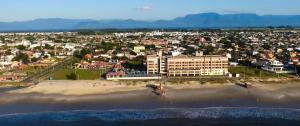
84 87
106 95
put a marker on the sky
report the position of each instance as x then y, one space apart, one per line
20 10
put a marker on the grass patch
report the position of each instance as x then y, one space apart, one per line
253 72
81 74
214 80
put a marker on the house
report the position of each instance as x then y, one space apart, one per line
138 49
276 67
93 65
70 46
156 42
233 63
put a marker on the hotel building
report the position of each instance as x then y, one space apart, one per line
187 66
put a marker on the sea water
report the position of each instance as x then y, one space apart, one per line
217 116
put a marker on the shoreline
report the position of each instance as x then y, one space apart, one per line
106 95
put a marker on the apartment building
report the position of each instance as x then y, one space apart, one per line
197 66
187 66
153 64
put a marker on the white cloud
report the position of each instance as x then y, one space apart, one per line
145 8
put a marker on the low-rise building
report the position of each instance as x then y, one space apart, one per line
155 42
276 67
138 49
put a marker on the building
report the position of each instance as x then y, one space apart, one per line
174 66
197 66
156 42
276 67
138 49
153 64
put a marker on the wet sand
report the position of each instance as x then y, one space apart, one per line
33 99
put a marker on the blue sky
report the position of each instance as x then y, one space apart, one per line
19 10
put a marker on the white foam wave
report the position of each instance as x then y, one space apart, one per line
165 113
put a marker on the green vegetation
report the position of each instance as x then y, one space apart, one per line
209 50
72 76
86 32
150 47
80 54
15 84
131 45
189 50
106 46
30 38
47 46
8 52
78 74
34 59
21 47
253 72
21 57
136 64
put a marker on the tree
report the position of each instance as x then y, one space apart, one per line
77 54
2 39
118 50
34 59
136 63
209 50
80 54
84 51
132 52
266 46
47 46
105 46
150 46
227 43
30 38
131 45
8 52
21 47
21 57
46 57
189 50
207 38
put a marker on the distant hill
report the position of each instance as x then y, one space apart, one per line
202 20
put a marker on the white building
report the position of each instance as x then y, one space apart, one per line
70 46
276 67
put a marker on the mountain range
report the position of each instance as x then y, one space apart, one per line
202 20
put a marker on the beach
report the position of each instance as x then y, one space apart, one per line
107 95
108 103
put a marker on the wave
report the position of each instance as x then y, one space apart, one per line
163 113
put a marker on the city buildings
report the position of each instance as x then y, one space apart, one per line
155 53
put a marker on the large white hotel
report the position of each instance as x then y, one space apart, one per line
187 66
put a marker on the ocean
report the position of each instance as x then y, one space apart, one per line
214 116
